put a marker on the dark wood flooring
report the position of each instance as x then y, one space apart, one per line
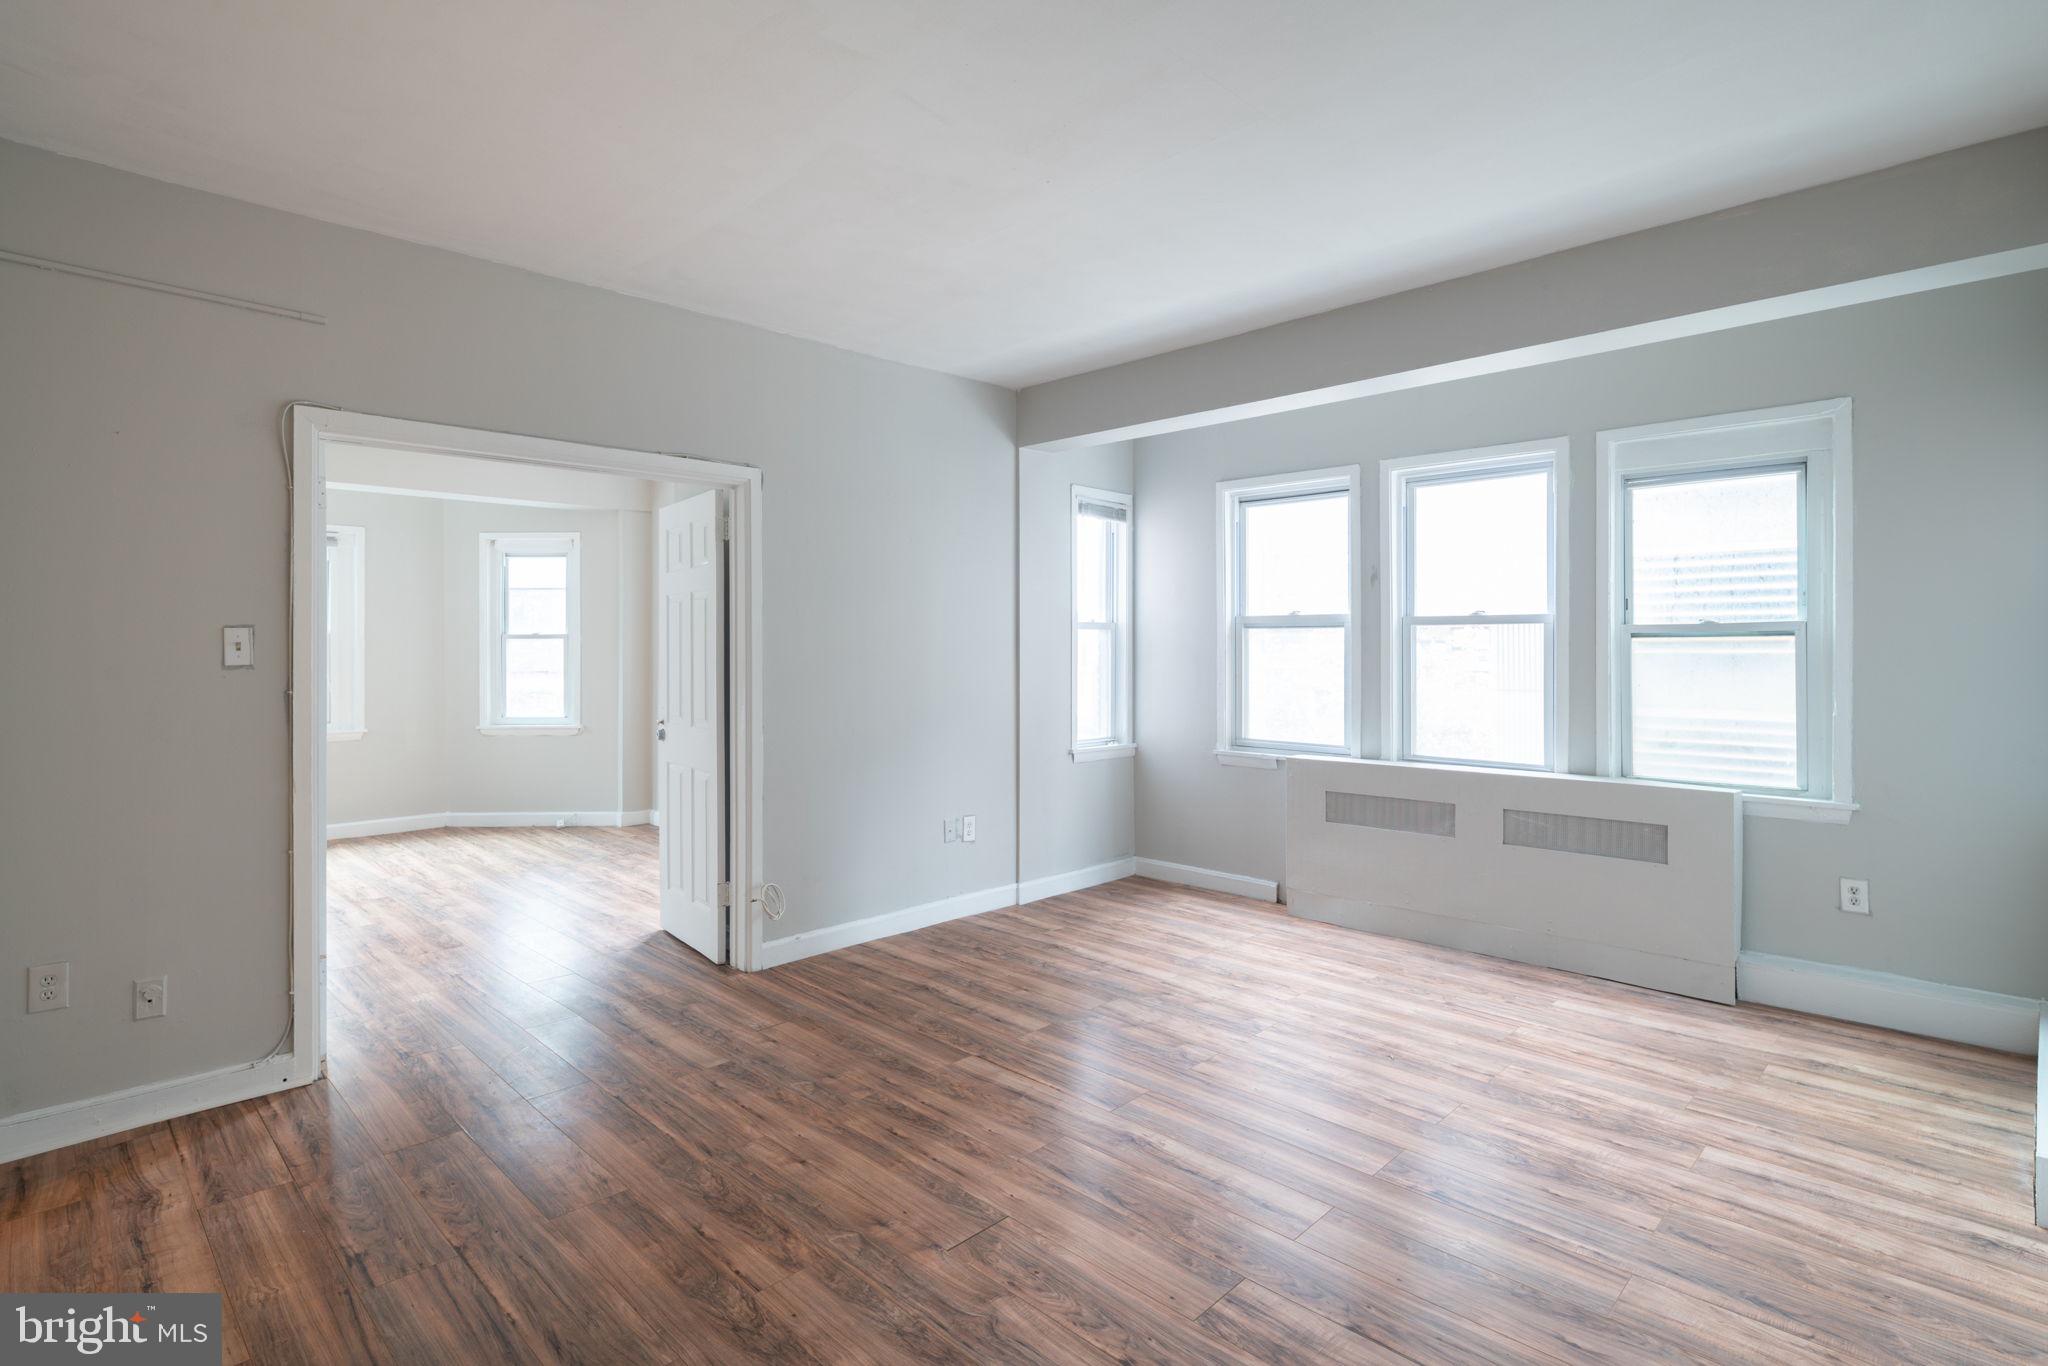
1140 1124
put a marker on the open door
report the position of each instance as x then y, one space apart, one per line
690 736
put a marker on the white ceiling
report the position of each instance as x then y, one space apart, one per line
1013 189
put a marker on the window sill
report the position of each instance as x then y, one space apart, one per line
338 735
1799 809
1089 753
1269 758
530 730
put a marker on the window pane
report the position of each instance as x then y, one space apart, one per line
1482 545
536 687
1715 709
1479 693
537 611
1092 567
1297 556
1294 685
537 571
1721 549
1094 671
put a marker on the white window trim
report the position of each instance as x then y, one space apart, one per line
1819 435
1230 496
354 723
1122 656
493 546
1397 476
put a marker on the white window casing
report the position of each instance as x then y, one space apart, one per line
502 635
346 609
1804 613
1400 479
1100 642
1237 744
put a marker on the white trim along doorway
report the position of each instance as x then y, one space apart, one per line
310 427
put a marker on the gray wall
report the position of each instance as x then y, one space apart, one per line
396 769
1951 577
422 753
1072 815
144 792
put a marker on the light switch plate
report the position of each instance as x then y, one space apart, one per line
238 647
152 997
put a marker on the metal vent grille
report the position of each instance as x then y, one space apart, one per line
1390 813
1637 840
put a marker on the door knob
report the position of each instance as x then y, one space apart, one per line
661 730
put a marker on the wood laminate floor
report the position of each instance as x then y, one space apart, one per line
1140 1123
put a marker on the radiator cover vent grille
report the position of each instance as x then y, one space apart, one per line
1637 840
1409 814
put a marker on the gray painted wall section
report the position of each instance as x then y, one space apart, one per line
422 753
1073 815
144 792
1951 739
1975 201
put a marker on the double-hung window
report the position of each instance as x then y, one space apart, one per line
531 642
1288 646
345 581
1724 559
1102 624
1470 581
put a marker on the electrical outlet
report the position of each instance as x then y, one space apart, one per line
952 830
49 987
1855 896
967 829
152 998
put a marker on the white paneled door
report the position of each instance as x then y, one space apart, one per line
690 736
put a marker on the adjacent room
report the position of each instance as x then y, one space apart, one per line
1181 683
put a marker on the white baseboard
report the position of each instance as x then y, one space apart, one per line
1080 879
1965 1015
1208 879
775 952
1657 971
60 1126
482 820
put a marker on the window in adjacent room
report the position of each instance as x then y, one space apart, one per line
345 632
1725 582
1102 624
531 646
1288 654
1470 556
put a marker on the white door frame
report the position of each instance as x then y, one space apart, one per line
310 427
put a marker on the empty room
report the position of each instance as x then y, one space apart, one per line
1163 682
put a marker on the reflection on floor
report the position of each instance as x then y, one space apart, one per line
1137 1123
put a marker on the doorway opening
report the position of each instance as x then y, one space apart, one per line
536 661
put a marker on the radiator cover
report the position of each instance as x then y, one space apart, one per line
1631 881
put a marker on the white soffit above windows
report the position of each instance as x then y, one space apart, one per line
1012 192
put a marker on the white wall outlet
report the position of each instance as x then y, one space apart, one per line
152 998
238 647
967 829
49 987
1855 896
952 830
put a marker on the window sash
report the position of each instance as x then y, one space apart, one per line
1113 574
499 551
1241 625
1794 627
1472 467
